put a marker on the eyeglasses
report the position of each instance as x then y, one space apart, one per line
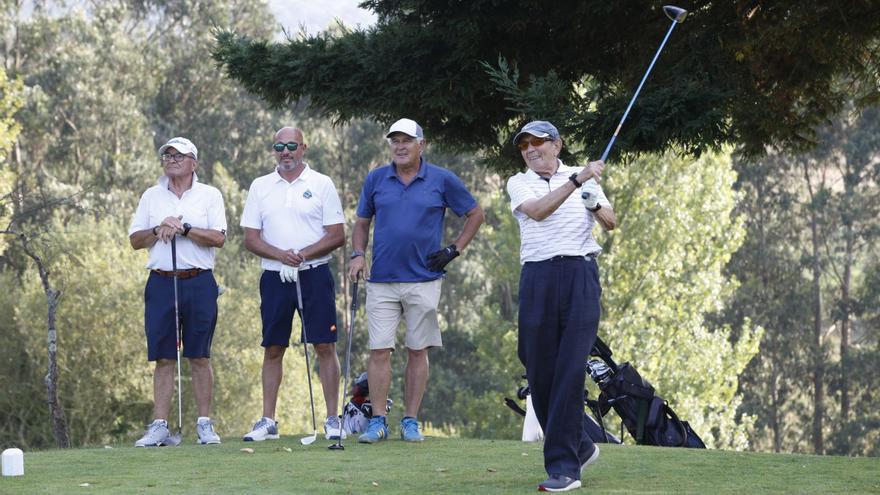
535 141
279 147
177 157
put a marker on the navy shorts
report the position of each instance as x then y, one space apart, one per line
197 306
278 302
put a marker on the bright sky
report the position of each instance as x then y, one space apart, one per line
316 15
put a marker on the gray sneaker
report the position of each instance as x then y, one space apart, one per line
207 435
332 430
157 432
264 429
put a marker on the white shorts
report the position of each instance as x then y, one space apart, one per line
416 302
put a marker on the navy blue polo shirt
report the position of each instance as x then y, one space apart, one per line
409 219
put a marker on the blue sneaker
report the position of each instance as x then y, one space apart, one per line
409 430
377 430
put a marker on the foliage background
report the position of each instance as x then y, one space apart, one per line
707 282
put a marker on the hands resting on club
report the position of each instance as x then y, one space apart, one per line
290 264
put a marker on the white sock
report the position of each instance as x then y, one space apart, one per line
202 419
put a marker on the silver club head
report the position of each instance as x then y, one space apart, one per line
677 14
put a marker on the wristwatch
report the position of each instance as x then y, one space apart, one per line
574 180
186 228
155 231
356 253
597 208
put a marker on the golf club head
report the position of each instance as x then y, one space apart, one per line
309 439
336 446
172 440
220 290
676 14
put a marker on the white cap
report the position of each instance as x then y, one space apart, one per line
408 127
182 145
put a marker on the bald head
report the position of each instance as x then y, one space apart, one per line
288 134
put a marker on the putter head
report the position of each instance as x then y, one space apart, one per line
309 439
336 446
172 440
676 14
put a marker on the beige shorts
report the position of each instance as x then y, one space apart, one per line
415 302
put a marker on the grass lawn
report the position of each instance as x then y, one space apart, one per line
437 466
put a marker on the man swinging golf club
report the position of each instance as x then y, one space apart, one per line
180 207
293 220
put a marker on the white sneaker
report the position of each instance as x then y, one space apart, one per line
264 429
157 432
332 429
207 435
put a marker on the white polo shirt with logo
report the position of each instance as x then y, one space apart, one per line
201 206
292 215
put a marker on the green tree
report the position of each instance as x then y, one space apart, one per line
424 59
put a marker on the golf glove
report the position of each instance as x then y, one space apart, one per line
439 259
590 194
287 274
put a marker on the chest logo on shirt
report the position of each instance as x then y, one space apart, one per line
307 194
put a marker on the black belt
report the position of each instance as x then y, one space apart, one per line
588 257
181 274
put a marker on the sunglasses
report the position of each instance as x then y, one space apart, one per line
279 147
535 141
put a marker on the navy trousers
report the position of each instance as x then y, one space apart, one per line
558 321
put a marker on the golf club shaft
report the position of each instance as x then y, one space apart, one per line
299 301
179 336
636 95
354 306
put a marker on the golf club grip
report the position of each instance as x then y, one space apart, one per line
354 295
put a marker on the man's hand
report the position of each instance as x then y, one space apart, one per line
356 267
590 194
288 273
439 259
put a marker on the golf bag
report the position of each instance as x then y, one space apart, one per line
647 416
358 410
594 429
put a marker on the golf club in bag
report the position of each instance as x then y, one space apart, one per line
354 306
174 440
647 416
299 300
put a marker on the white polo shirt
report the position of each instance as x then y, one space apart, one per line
201 206
292 215
568 231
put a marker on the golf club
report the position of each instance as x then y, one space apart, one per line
354 305
677 14
174 440
299 300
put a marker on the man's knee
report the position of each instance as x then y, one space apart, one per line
274 353
326 350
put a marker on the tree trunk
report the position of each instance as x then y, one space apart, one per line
59 420
818 357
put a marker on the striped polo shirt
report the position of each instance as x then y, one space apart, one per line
568 231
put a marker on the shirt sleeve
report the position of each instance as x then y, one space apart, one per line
366 208
331 205
250 216
141 219
217 212
519 193
458 198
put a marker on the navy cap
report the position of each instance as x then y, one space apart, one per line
538 128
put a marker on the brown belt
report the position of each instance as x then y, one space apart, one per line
181 274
